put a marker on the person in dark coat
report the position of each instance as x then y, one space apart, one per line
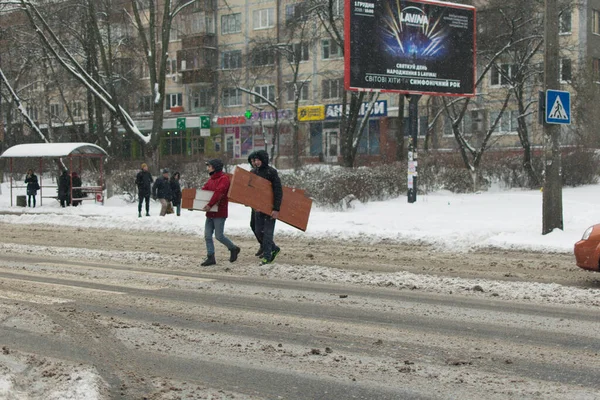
143 181
33 186
64 189
215 220
265 223
176 191
77 193
259 253
161 190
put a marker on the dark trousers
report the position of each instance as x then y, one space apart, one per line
264 229
29 197
141 199
253 227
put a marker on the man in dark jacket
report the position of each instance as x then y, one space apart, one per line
143 181
215 220
259 253
265 223
161 190
77 192
176 191
32 187
64 189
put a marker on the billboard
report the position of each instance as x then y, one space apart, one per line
410 46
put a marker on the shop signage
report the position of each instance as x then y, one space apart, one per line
311 113
334 111
256 116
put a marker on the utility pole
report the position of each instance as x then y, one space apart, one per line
413 128
552 214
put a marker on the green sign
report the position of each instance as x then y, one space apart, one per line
181 124
248 114
204 122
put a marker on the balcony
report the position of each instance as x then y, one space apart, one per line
201 75
199 40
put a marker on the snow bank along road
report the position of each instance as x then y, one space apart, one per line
126 315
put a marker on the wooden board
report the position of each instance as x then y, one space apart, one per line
253 191
193 199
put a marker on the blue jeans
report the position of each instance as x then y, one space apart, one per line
216 225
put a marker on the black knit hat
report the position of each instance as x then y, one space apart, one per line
216 164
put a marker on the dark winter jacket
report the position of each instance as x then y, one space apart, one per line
270 174
76 180
32 184
162 189
143 181
175 190
64 186
218 183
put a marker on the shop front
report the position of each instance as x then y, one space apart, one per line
325 130
239 135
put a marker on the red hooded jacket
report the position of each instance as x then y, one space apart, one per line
219 183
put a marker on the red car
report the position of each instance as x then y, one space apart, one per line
587 250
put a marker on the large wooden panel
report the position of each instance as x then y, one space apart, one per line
253 191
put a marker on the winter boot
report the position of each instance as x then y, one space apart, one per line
265 261
147 214
259 253
139 215
210 260
274 253
234 254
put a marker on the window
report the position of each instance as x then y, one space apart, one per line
263 57
231 23
596 70
232 97
231 59
55 110
507 122
76 108
501 74
596 22
565 70
210 24
171 67
200 98
145 104
174 33
294 12
332 88
266 91
338 8
331 49
302 91
263 19
32 111
173 100
299 52
369 141
564 23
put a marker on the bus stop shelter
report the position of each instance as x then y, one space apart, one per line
72 152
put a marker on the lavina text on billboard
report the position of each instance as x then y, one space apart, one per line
415 46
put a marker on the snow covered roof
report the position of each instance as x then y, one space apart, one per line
52 150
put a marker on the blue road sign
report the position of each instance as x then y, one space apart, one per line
558 107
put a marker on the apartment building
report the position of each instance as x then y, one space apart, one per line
241 66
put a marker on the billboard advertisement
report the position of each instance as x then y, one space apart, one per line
410 46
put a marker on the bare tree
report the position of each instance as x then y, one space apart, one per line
331 20
153 24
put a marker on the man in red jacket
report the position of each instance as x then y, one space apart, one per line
215 220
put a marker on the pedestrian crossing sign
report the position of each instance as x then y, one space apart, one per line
558 107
